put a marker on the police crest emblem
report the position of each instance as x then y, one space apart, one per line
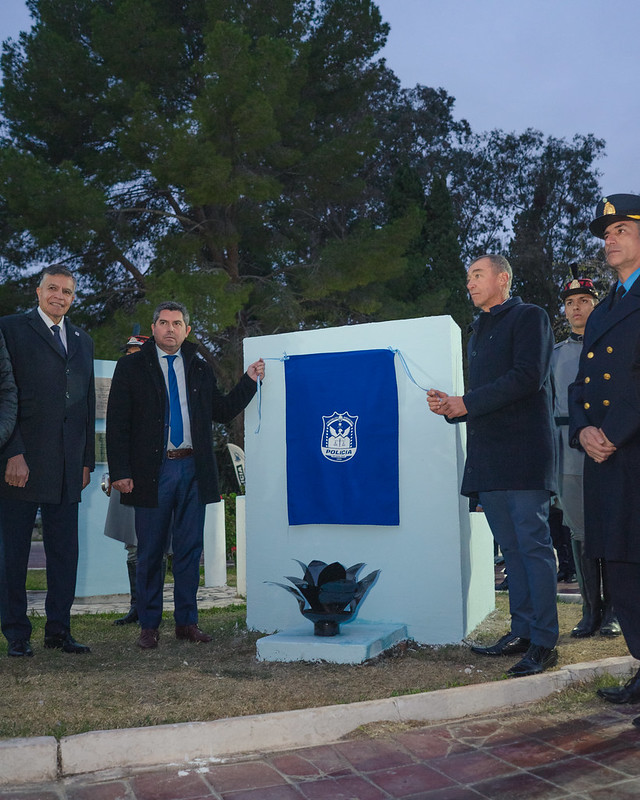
339 439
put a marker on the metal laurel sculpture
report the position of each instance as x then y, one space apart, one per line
329 594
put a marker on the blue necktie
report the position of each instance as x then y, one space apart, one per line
58 339
176 433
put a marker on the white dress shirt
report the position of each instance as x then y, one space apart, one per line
50 323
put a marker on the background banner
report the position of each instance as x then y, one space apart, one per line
342 438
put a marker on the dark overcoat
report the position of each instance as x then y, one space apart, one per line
511 437
604 395
8 395
56 409
137 423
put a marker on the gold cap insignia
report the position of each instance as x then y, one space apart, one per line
609 208
575 284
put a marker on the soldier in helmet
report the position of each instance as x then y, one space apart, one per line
604 421
580 298
120 521
134 343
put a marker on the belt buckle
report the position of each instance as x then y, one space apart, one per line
180 452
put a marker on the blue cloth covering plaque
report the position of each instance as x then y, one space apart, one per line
342 438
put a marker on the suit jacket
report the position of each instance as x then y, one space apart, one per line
56 409
8 395
605 395
511 437
137 421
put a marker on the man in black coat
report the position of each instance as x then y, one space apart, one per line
47 461
511 465
604 421
162 403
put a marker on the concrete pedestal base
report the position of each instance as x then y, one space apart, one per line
356 642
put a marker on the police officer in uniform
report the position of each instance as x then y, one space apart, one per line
579 297
604 421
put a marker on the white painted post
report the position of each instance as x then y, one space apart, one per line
215 547
102 562
241 546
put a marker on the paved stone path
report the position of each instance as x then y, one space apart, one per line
217 596
511 757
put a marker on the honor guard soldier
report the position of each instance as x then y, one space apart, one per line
579 297
120 522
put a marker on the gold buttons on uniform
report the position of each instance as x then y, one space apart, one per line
609 349
587 406
606 402
587 379
590 355
607 376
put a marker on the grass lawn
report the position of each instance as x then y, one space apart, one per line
120 686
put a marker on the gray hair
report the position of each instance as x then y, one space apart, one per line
498 264
57 269
171 305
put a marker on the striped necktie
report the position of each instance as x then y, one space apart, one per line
58 339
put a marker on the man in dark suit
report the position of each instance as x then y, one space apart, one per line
47 461
604 421
511 465
162 403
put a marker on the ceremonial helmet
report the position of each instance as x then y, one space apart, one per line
578 285
136 340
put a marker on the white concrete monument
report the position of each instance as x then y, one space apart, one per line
102 562
436 582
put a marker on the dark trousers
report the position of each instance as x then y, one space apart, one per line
180 512
623 579
60 538
519 521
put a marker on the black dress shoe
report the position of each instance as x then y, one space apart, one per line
629 693
610 625
636 722
65 642
587 626
19 647
508 645
129 618
536 660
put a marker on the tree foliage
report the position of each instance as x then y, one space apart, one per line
433 281
211 151
256 160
